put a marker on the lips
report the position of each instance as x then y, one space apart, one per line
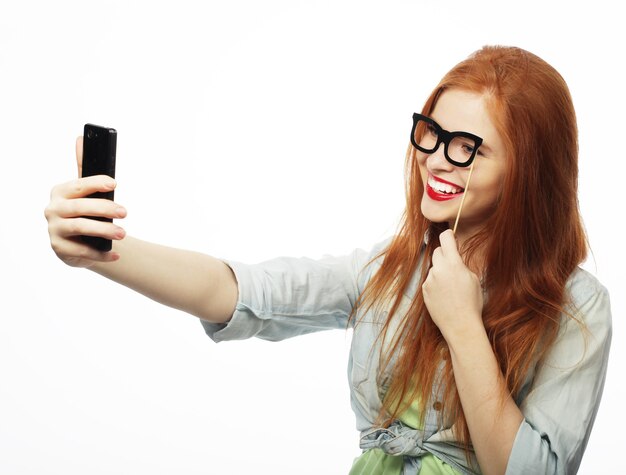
442 190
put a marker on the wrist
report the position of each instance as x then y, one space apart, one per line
471 332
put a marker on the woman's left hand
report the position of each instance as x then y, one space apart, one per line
452 292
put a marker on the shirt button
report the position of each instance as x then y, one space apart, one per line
437 406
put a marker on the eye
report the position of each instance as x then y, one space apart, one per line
431 129
468 148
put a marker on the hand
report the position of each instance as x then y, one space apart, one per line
66 224
452 293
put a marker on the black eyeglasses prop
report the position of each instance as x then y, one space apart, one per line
459 148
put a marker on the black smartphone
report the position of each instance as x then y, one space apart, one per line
99 149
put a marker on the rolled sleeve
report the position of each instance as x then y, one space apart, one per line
561 406
286 297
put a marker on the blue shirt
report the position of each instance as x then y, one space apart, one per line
287 297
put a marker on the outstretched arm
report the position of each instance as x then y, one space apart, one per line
190 281
193 282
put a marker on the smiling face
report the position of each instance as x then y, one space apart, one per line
444 183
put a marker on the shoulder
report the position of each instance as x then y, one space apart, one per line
381 246
368 262
583 284
587 298
586 323
373 258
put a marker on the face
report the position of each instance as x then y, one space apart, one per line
444 183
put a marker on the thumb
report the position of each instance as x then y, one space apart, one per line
448 244
79 155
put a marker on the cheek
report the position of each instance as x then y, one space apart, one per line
421 163
488 191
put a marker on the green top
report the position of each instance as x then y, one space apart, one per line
377 462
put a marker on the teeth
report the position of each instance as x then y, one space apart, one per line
443 187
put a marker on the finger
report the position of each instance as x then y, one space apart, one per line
68 228
437 256
90 207
448 244
79 155
77 250
82 187
426 289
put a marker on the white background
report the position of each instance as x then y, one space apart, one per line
246 130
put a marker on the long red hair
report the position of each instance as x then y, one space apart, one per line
532 242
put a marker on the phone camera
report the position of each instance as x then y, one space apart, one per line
89 134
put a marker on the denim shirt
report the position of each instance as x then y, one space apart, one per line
287 297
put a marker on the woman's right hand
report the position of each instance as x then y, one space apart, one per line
68 204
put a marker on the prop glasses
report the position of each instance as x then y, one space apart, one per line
459 147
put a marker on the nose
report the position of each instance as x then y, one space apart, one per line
437 161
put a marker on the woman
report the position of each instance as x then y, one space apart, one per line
482 349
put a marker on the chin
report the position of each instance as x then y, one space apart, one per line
437 213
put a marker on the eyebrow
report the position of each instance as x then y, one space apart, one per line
485 148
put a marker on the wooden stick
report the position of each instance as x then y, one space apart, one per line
458 215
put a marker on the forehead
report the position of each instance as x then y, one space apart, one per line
465 111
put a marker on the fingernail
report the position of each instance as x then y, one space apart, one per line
111 185
120 211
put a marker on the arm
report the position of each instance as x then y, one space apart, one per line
286 297
547 429
493 418
453 296
563 396
189 281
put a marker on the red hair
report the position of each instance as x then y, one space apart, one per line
532 242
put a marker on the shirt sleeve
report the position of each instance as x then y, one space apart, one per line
562 403
287 297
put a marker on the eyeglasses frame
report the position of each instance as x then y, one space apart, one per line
444 136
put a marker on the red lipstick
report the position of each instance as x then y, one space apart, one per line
438 195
